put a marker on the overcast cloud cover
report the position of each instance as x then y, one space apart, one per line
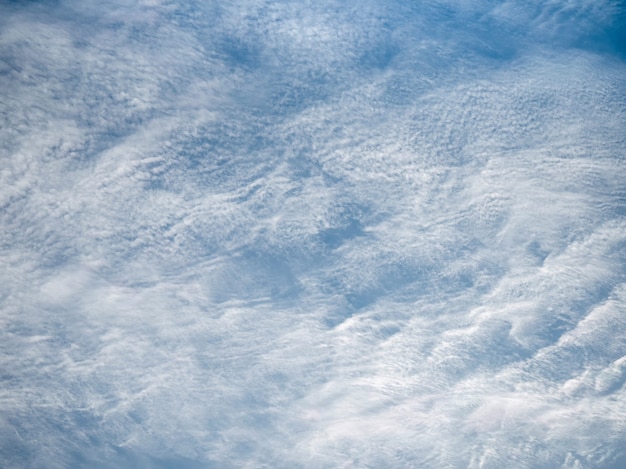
315 234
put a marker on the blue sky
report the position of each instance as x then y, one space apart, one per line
312 234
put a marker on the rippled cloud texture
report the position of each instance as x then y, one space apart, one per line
312 234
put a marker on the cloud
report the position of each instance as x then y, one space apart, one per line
306 235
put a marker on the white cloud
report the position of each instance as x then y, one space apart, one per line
300 235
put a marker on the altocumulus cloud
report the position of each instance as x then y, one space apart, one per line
312 234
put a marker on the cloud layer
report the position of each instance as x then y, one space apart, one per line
298 234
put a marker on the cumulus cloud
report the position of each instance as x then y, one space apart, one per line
312 235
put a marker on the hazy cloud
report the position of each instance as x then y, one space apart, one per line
297 234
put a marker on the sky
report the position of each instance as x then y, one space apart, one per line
296 234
